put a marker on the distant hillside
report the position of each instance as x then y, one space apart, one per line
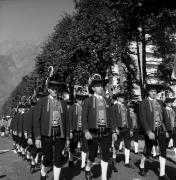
16 61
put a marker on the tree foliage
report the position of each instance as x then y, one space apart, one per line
96 36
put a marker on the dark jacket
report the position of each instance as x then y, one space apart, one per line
20 124
41 119
89 120
73 118
146 115
117 118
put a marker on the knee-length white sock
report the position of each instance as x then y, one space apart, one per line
104 168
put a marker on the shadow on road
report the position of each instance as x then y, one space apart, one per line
2 176
154 166
69 173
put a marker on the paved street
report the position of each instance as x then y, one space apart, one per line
13 168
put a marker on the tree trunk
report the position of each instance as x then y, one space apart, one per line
143 60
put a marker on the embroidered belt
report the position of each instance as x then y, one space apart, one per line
101 131
56 131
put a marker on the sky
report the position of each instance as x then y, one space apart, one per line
31 20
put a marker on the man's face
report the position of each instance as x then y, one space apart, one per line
53 90
152 93
80 101
98 89
121 99
131 109
169 104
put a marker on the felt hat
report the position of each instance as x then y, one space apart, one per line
157 87
169 100
96 79
80 93
119 94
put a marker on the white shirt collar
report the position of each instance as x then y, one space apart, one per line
169 108
118 102
51 97
98 96
151 99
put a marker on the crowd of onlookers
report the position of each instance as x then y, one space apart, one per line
5 125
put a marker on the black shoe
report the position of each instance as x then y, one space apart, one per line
128 165
155 157
42 177
82 168
70 164
114 161
38 165
32 169
165 177
142 171
88 175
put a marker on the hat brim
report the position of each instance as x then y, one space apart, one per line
117 95
169 100
55 83
40 94
157 87
104 82
81 96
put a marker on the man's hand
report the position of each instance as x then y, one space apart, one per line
38 143
88 136
71 135
114 137
167 135
30 141
117 132
20 135
67 143
25 135
151 135
131 133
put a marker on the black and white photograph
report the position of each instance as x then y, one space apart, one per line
87 89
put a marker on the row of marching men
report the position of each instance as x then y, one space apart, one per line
94 122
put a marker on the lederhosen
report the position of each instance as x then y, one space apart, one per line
24 139
15 128
123 124
133 117
53 145
100 130
156 111
19 130
75 119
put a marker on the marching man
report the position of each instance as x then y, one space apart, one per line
170 120
151 117
51 126
77 136
97 125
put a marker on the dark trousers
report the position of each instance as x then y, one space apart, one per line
135 135
15 138
160 140
34 151
52 151
104 142
172 134
22 142
78 137
124 135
